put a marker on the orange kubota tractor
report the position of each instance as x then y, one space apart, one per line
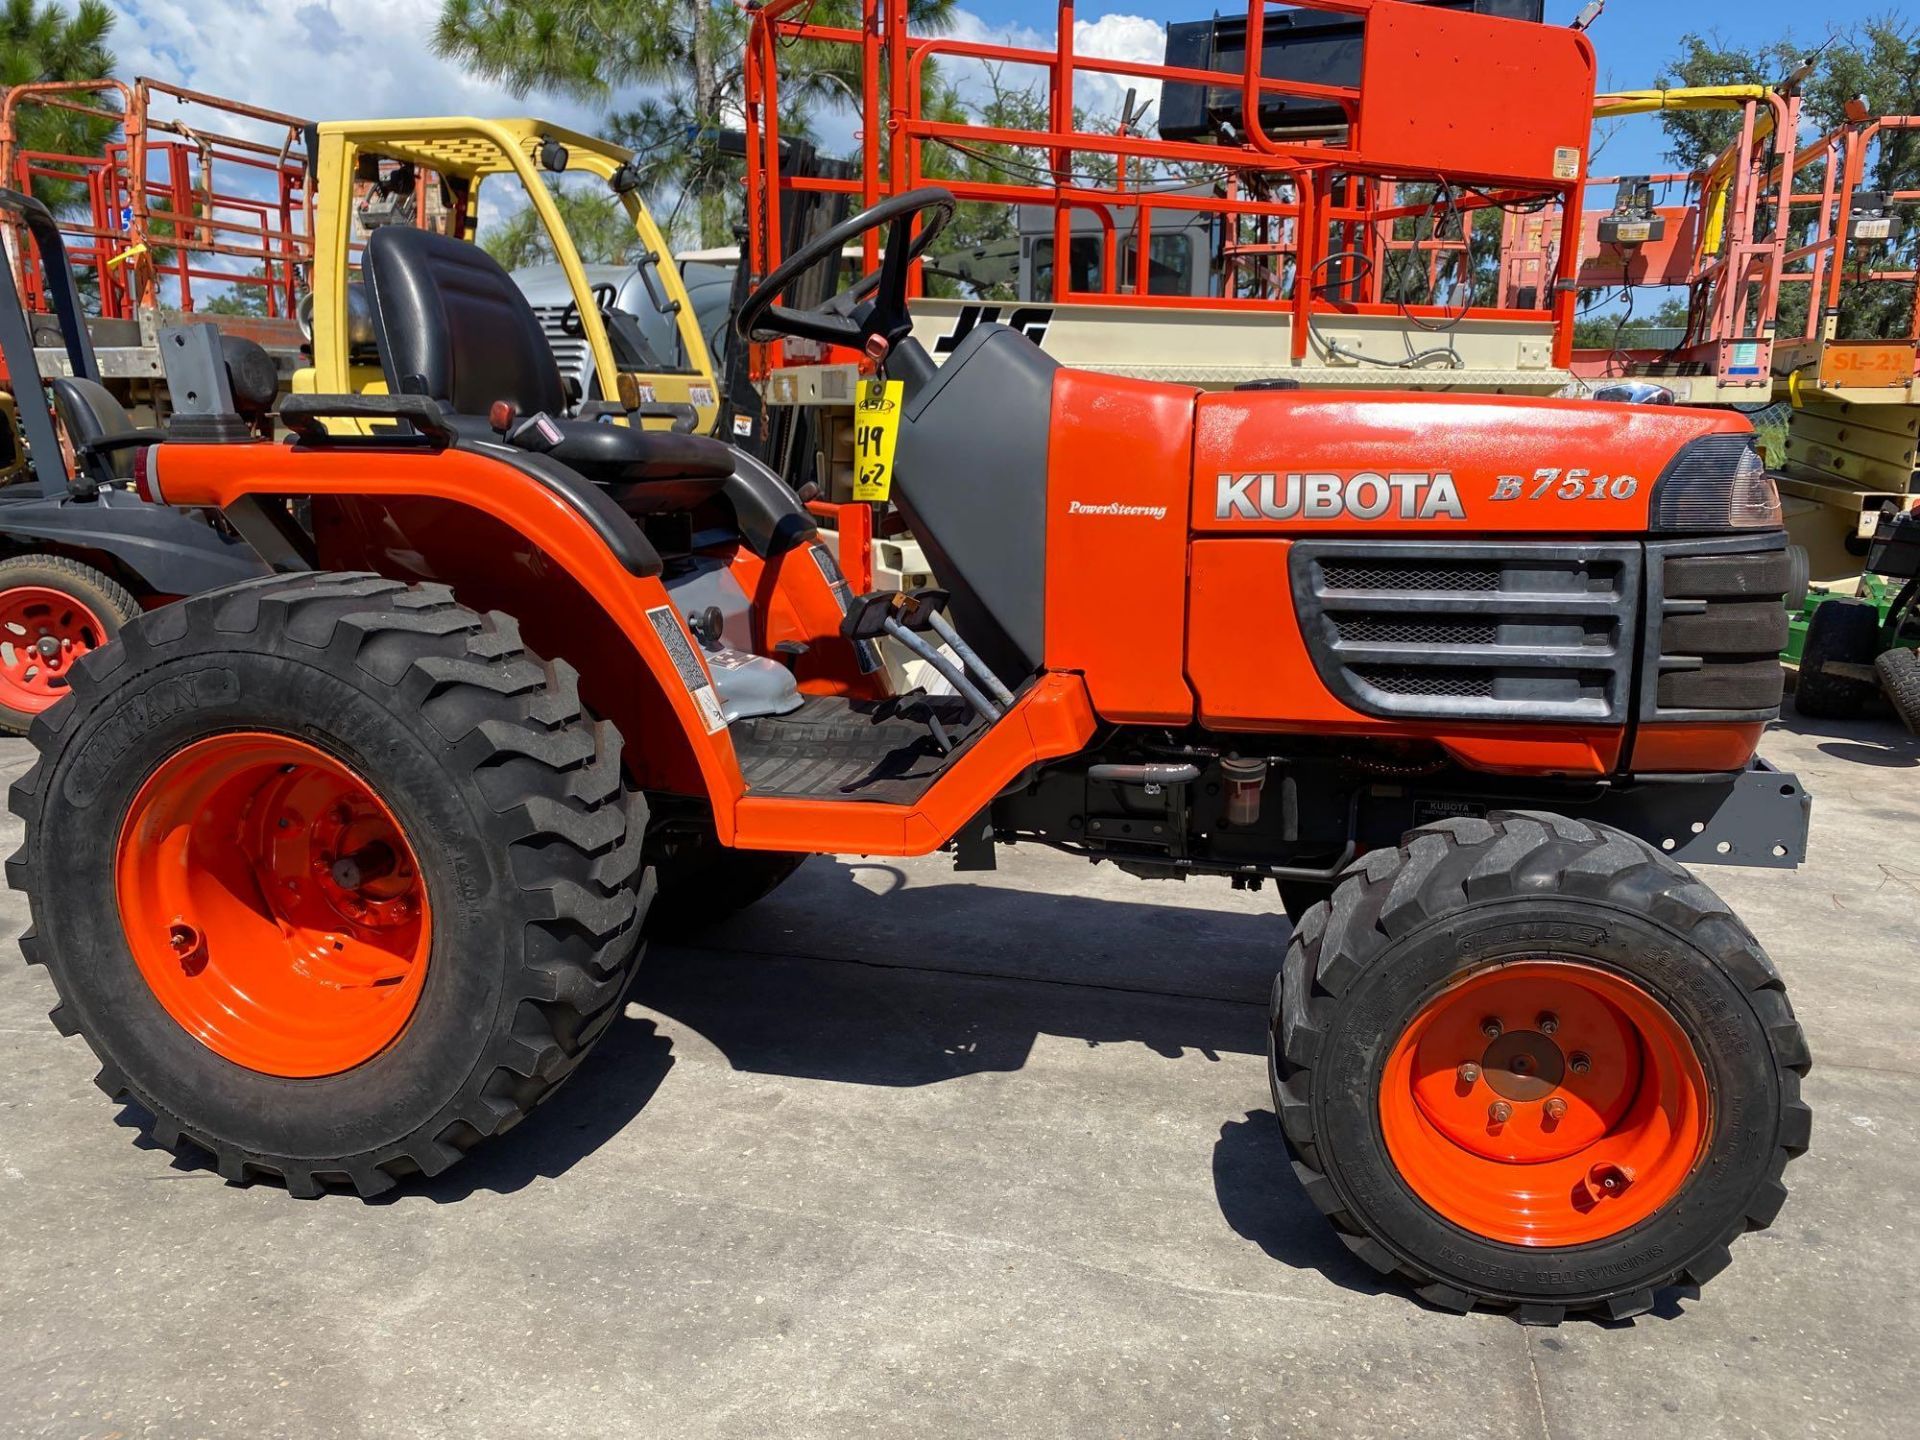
341 872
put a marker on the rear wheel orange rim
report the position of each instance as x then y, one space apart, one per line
273 905
1544 1103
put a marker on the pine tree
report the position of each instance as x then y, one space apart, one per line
42 40
1878 60
678 66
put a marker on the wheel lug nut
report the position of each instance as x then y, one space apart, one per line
1490 1027
1499 1112
1555 1109
1579 1064
1548 1022
1468 1073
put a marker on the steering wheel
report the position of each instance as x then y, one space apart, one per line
876 304
604 298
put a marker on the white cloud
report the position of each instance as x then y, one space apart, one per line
370 59
366 59
1121 37
321 60
317 60
1111 37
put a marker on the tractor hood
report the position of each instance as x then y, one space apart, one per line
1305 461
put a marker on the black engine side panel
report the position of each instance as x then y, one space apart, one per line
971 478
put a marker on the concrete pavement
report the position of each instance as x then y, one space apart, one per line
905 1152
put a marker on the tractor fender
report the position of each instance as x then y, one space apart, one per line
519 535
166 551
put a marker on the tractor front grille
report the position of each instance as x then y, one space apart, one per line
1399 630
1445 681
1464 630
1722 625
1439 575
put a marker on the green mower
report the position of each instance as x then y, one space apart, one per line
1852 648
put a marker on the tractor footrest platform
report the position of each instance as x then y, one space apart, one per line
834 748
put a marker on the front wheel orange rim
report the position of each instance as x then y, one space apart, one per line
273 904
1545 1103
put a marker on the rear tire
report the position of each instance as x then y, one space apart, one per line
1842 631
701 885
524 839
49 598
1899 672
1547 907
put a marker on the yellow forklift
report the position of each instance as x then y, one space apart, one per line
625 337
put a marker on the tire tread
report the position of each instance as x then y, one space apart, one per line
1438 868
578 858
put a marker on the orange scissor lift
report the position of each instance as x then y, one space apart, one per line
1340 256
193 195
1772 238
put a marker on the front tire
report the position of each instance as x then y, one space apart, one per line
1530 1063
336 879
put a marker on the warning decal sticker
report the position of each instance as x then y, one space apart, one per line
666 624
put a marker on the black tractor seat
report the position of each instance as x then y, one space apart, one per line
103 434
452 325
648 471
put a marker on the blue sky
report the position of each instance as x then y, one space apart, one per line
370 58
1633 38
373 57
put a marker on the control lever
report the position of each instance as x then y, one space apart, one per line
975 665
902 615
928 603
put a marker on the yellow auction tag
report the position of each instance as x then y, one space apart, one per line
876 429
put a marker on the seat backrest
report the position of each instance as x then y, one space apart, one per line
91 413
453 326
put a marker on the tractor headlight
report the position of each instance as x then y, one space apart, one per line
1718 482
1635 392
